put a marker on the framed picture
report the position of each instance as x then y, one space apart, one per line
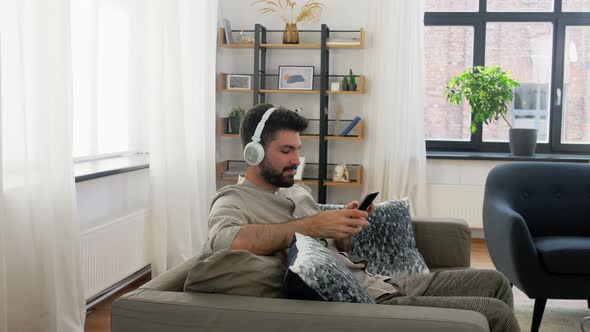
296 77
239 82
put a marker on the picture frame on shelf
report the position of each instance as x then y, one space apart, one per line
227 29
296 77
239 82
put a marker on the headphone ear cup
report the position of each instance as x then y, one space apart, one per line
253 153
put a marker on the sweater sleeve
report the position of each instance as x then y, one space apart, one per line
224 224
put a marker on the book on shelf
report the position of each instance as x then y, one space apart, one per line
299 174
227 29
352 124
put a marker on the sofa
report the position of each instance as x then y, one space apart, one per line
161 304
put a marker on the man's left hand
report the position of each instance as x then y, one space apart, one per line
344 244
355 205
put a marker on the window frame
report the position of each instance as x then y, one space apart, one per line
478 20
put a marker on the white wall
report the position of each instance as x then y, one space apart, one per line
111 197
456 188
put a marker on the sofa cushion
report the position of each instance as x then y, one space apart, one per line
315 273
237 272
388 243
564 254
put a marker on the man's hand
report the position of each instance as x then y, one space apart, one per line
355 205
337 224
343 244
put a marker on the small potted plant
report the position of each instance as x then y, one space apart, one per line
489 91
235 116
344 84
351 81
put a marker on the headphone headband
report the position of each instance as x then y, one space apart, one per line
254 151
260 126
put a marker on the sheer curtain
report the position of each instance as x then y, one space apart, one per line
173 72
40 286
394 57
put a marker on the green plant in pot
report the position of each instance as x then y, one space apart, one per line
235 116
351 81
489 91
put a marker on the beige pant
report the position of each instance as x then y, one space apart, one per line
485 291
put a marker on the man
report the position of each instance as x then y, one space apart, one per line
262 212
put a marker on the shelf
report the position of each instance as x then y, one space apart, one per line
356 134
359 91
229 170
359 45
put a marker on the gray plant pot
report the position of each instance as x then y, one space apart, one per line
352 87
234 125
523 141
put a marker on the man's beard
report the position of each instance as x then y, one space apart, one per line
277 178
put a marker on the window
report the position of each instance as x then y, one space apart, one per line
100 64
576 93
543 43
525 50
448 50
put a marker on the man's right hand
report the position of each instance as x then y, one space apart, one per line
336 224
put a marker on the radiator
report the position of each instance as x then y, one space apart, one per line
113 251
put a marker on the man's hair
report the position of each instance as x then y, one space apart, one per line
280 119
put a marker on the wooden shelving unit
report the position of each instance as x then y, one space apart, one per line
263 82
224 175
360 44
360 88
223 131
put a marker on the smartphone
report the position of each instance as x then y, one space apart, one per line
366 202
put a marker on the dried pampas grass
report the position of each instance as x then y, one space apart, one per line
310 12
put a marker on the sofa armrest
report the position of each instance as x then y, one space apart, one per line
443 242
151 310
173 279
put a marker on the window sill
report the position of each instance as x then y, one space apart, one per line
94 169
553 157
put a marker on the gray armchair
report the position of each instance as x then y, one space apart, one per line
536 219
161 305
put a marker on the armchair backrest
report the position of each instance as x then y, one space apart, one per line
553 198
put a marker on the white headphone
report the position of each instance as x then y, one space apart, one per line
254 151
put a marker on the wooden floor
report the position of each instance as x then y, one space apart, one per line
99 319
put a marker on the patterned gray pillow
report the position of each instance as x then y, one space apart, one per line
388 243
314 273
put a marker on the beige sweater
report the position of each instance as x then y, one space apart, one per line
245 203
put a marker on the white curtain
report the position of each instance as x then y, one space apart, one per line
174 76
40 286
394 61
